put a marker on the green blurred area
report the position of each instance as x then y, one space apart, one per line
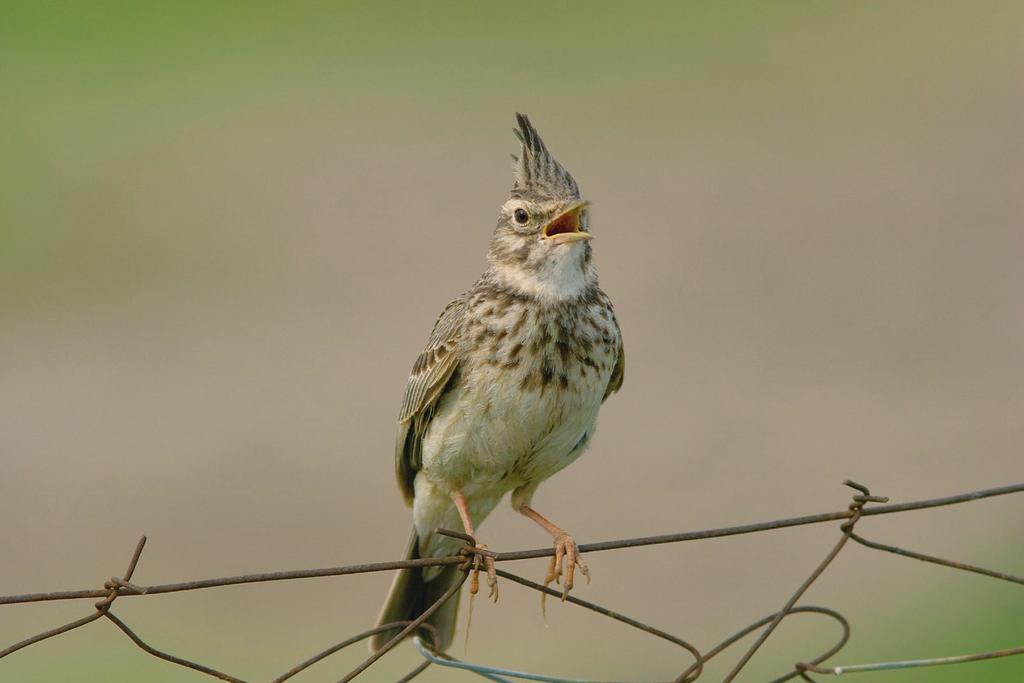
96 90
232 208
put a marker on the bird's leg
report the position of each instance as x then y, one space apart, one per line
565 550
488 560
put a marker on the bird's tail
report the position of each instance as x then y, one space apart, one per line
411 595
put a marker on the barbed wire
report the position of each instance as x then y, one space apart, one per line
425 637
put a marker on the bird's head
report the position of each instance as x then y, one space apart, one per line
541 245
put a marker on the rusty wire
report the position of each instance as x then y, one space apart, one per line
115 587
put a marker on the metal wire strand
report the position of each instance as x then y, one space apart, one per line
693 672
116 587
169 657
911 663
410 627
320 656
936 560
109 595
856 507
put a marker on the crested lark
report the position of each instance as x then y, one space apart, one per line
508 389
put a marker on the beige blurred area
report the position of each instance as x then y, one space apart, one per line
225 235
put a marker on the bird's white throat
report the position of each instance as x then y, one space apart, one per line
563 274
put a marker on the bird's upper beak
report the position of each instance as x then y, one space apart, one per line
565 227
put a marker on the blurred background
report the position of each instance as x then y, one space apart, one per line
226 230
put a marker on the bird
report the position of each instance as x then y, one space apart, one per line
507 391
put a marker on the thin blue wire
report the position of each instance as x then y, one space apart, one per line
491 672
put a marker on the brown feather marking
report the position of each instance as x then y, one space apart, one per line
618 373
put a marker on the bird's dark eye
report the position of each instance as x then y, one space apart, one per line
521 216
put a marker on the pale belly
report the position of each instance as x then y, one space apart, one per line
484 445
517 414
494 436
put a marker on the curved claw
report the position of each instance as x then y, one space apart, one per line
564 562
482 554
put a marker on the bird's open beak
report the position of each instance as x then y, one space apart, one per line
565 227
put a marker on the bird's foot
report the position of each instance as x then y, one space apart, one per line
481 555
567 556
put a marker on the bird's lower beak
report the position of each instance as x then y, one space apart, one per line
565 228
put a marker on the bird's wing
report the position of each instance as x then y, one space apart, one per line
429 379
618 372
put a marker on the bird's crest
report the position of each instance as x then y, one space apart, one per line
536 171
